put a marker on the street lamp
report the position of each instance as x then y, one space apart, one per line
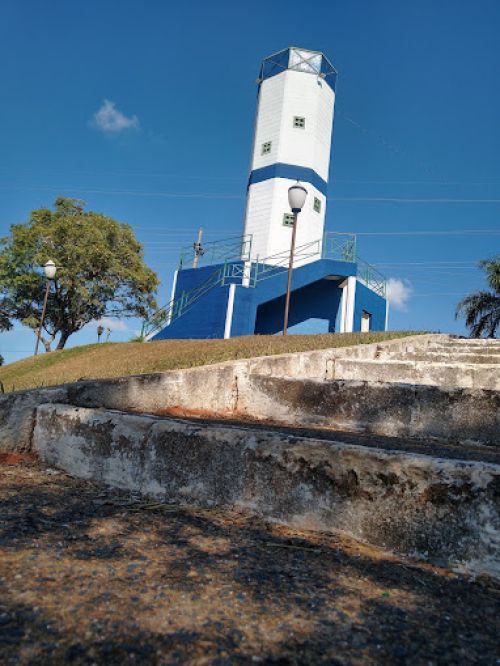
50 273
296 198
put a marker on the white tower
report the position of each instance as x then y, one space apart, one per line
293 131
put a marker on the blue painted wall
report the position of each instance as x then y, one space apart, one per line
272 290
207 317
319 300
368 300
260 309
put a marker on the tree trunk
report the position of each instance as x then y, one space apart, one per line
63 339
45 342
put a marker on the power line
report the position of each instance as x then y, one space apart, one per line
451 232
136 193
438 293
488 181
226 196
410 200
484 180
459 264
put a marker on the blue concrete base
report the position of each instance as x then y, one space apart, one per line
316 293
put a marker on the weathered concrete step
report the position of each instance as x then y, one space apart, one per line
412 504
441 357
392 409
435 374
451 348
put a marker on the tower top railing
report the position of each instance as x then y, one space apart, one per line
299 60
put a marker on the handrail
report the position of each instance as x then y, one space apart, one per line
183 303
227 249
371 277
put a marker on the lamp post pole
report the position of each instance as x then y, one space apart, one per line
296 198
290 271
50 273
198 249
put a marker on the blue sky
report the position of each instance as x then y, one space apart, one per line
416 135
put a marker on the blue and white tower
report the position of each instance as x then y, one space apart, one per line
293 133
239 285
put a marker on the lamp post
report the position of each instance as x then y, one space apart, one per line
50 272
296 198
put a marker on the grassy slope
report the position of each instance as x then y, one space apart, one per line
119 359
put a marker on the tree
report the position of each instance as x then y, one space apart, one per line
482 310
101 271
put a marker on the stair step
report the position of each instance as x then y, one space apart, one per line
464 375
451 348
441 357
412 504
455 415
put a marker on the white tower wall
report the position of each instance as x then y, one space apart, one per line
284 152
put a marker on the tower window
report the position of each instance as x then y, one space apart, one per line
317 205
299 122
288 220
266 148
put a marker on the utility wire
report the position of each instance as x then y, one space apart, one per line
226 196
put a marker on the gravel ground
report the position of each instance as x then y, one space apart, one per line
94 576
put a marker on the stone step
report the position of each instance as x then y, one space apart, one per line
465 347
417 505
394 409
472 341
464 375
441 357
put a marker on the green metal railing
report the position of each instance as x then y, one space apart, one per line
371 277
341 247
278 263
183 303
217 252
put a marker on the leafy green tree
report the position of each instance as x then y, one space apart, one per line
482 310
100 271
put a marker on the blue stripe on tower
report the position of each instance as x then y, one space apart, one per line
290 171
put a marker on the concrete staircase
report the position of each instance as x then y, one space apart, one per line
395 443
450 362
435 387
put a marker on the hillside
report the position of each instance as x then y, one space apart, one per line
127 358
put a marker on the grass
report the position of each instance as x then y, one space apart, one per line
128 358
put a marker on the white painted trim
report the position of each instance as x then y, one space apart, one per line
247 270
386 314
343 303
172 294
366 322
229 312
351 298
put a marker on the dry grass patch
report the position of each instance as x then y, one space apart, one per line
128 358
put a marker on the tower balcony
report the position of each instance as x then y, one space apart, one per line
299 60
